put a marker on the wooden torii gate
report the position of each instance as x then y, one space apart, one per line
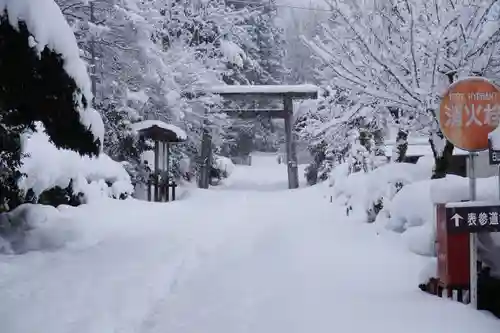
287 93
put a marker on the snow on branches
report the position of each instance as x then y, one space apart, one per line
402 55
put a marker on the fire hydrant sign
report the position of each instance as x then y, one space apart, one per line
472 217
469 111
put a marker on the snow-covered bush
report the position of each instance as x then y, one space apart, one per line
222 167
411 211
365 194
43 79
225 165
414 205
407 198
321 165
60 171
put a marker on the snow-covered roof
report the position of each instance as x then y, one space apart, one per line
302 89
146 124
50 29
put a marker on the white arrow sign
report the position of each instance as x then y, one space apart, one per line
457 219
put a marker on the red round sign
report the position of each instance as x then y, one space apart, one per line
469 111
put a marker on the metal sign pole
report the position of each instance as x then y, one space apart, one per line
499 181
473 236
469 95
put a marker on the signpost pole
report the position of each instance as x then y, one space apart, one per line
473 236
499 181
472 176
467 128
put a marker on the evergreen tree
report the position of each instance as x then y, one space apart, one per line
36 87
109 45
264 49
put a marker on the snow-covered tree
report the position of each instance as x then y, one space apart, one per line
152 60
301 62
108 42
402 55
260 36
43 79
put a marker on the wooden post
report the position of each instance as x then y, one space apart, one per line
167 191
157 187
157 170
174 185
206 147
167 160
164 192
291 150
149 183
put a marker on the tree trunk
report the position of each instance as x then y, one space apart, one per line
378 139
442 162
93 68
401 146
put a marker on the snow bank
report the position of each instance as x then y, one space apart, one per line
181 134
47 166
50 29
43 228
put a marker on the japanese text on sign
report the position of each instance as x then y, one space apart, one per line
473 218
482 219
475 113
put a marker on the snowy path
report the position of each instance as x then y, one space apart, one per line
265 174
303 273
223 261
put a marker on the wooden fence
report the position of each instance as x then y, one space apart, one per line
161 190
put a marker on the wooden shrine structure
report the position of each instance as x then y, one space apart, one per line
160 184
287 94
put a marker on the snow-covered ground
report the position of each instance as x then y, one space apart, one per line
223 261
265 174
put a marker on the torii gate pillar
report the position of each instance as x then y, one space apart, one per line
291 147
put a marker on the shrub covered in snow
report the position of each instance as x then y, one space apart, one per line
411 212
65 172
43 79
365 194
56 177
222 167
401 197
